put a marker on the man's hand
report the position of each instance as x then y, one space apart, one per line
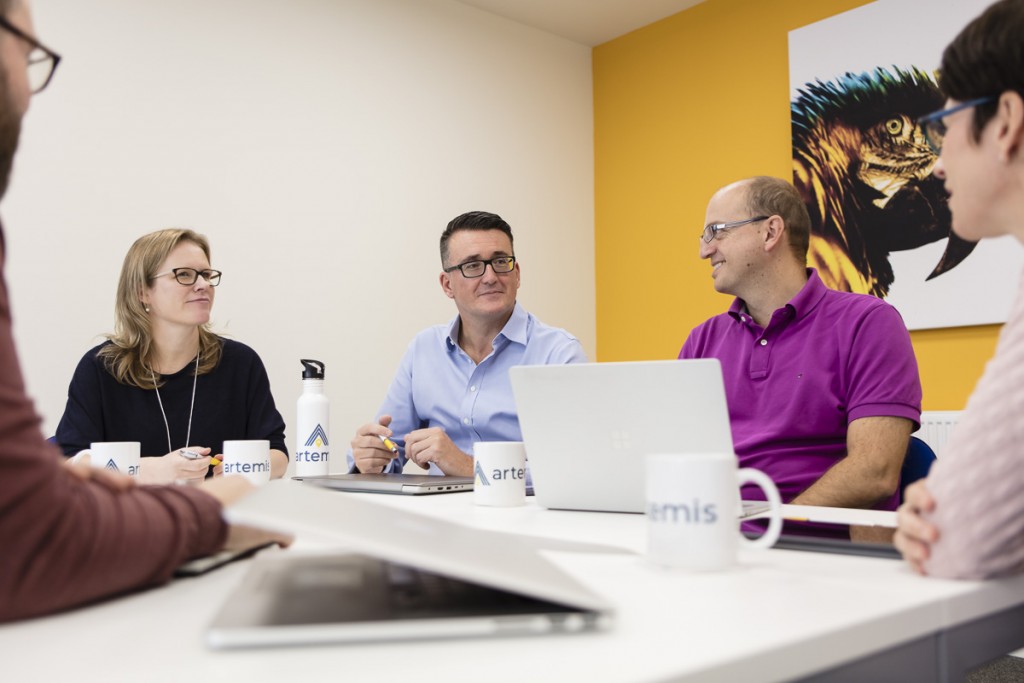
228 490
432 445
368 449
915 536
242 538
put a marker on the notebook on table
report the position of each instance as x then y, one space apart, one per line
407 576
587 427
399 484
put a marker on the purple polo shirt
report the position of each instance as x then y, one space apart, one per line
825 359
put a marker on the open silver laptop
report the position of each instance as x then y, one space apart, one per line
400 484
587 427
407 576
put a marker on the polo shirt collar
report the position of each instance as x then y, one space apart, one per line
803 303
515 330
809 296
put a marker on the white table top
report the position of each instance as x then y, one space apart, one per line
778 615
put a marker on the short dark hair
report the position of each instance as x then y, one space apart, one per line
776 197
473 220
986 59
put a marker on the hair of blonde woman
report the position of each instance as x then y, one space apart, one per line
129 355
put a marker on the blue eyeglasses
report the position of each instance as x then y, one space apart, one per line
935 128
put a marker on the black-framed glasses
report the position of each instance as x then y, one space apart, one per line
935 128
42 61
711 230
499 264
188 276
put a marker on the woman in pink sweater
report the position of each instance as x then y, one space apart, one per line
966 520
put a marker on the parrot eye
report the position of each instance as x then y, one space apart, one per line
894 126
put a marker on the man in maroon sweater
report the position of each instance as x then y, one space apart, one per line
72 535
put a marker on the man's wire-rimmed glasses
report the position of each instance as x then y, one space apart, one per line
935 128
471 269
42 61
188 276
711 230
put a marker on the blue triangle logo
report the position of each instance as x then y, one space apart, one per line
479 476
318 437
111 465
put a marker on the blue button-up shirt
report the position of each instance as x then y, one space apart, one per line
439 385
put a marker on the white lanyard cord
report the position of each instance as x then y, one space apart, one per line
188 435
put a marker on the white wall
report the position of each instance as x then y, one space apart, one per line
322 145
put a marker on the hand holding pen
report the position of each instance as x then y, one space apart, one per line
372 448
192 455
176 467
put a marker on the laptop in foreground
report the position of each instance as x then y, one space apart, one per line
407 576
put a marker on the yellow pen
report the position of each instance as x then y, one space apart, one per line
389 443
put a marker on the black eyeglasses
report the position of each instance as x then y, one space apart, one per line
499 264
188 276
42 61
711 230
935 128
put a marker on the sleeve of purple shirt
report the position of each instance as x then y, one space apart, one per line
881 377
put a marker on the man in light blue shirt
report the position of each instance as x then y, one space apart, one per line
452 387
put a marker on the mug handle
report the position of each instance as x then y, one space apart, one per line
84 454
768 538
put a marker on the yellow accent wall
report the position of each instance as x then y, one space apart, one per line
681 108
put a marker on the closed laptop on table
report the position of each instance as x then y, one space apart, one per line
397 483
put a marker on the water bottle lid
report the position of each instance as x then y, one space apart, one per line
312 369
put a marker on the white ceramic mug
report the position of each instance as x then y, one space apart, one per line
693 505
499 473
116 456
250 459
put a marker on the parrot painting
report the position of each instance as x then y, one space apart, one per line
864 169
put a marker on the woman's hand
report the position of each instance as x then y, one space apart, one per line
915 536
175 468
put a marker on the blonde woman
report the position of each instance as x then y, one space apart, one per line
163 378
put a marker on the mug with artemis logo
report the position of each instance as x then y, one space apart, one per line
693 508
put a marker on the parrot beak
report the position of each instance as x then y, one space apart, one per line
957 249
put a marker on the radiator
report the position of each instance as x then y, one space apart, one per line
936 426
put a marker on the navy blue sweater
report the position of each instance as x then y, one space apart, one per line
232 402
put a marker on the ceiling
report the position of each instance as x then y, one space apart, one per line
590 22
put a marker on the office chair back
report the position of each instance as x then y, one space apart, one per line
916 464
